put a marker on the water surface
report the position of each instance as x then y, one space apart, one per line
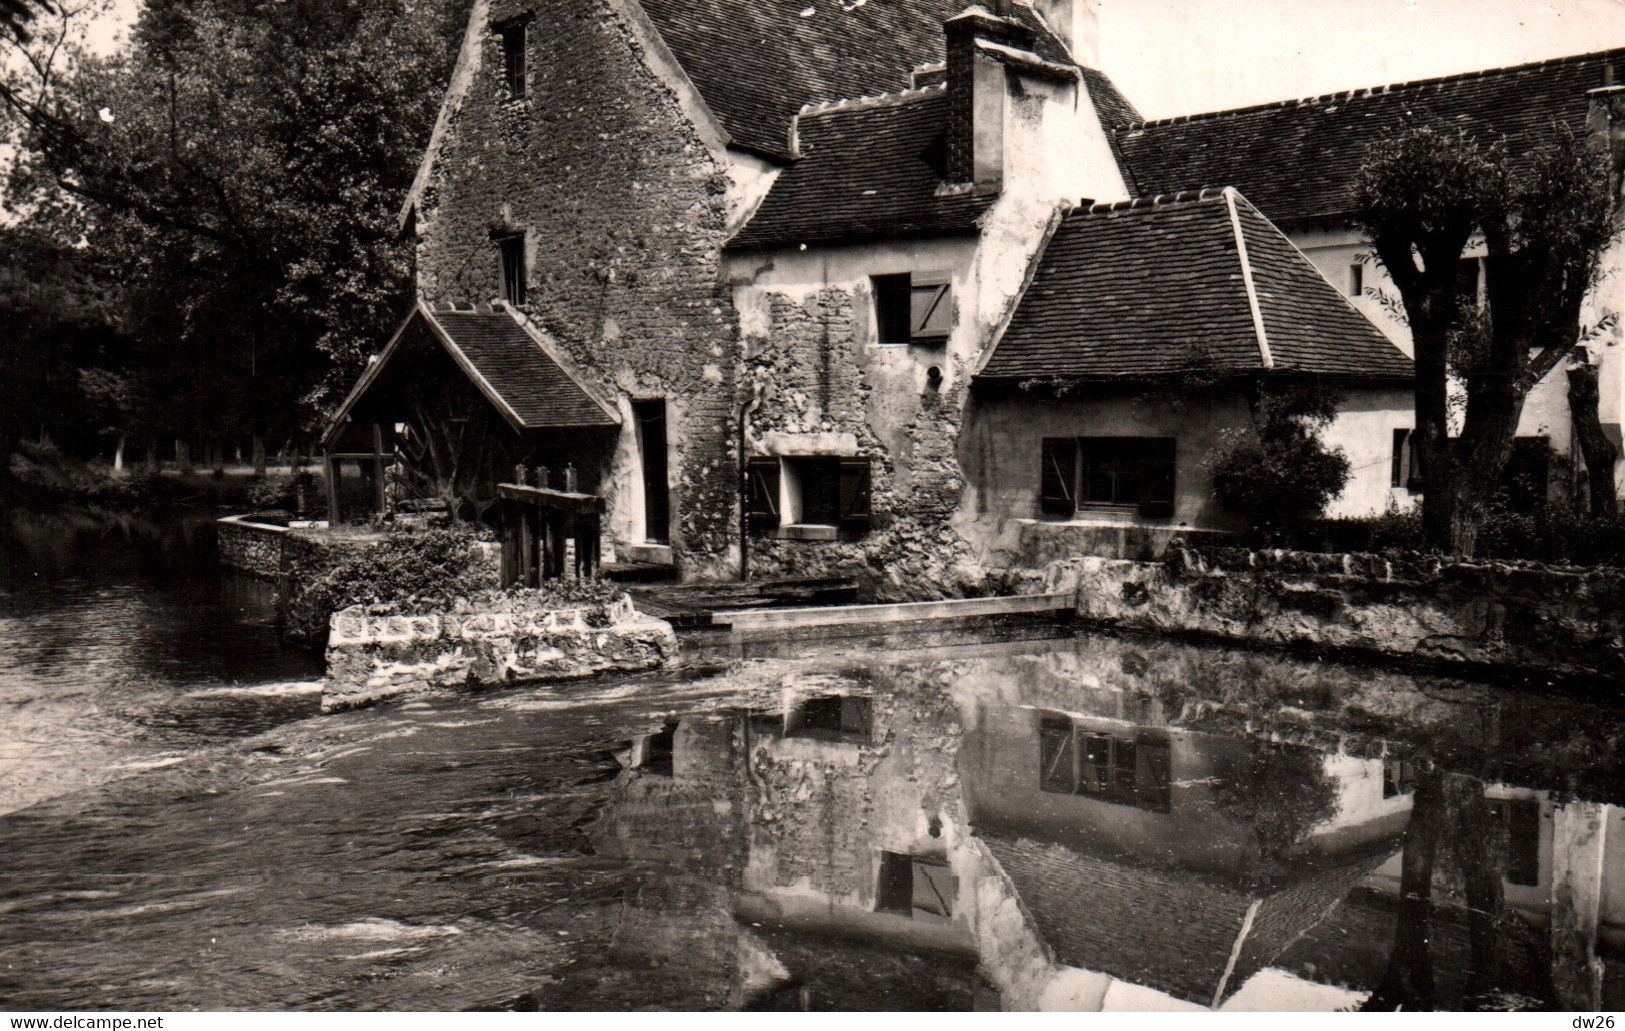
1073 821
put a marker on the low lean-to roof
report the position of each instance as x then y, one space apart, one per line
1195 281
1195 937
1297 159
513 369
757 62
871 169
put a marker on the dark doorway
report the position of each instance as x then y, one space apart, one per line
651 416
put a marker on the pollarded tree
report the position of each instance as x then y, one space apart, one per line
1422 196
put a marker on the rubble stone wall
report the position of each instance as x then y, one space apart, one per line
624 210
373 657
1501 615
248 545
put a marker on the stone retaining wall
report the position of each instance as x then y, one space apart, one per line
371 657
252 544
1518 616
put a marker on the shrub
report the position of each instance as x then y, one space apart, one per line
1554 534
414 571
1281 474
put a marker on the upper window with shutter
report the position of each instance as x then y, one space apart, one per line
511 250
913 308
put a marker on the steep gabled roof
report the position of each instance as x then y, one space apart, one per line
1149 288
757 62
515 370
870 169
1195 937
1297 159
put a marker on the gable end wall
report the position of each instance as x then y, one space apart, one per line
625 209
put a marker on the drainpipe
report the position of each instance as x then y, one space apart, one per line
744 483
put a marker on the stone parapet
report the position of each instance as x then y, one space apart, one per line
1520 617
375 656
252 544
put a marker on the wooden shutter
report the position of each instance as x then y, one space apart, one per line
1156 461
855 491
1057 479
763 511
931 307
1402 440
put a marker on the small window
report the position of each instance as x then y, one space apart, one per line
1520 819
659 752
833 718
1398 778
512 250
823 491
913 308
513 57
1131 770
1406 468
915 887
1107 472
1356 280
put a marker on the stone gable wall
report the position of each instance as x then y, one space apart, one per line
626 212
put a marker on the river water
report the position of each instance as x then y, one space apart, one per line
1002 819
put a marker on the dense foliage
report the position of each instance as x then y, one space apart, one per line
1553 534
208 218
1281 791
1281 473
413 570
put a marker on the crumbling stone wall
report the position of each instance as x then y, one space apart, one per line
1495 615
812 371
490 641
626 212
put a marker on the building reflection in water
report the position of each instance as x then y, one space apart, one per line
1110 825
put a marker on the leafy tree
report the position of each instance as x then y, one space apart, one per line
1282 472
1423 195
238 172
1281 791
16 14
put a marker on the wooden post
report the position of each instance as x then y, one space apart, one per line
558 537
330 470
380 495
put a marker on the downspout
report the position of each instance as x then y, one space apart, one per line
745 410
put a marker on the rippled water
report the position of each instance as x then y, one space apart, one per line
120 645
1031 819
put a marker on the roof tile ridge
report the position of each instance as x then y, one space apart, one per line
1161 200
1229 193
1361 92
845 104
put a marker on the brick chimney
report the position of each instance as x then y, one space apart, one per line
977 95
1077 23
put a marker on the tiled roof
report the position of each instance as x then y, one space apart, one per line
510 367
1195 937
757 62
868 169
1297 159
524 376
1153 288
